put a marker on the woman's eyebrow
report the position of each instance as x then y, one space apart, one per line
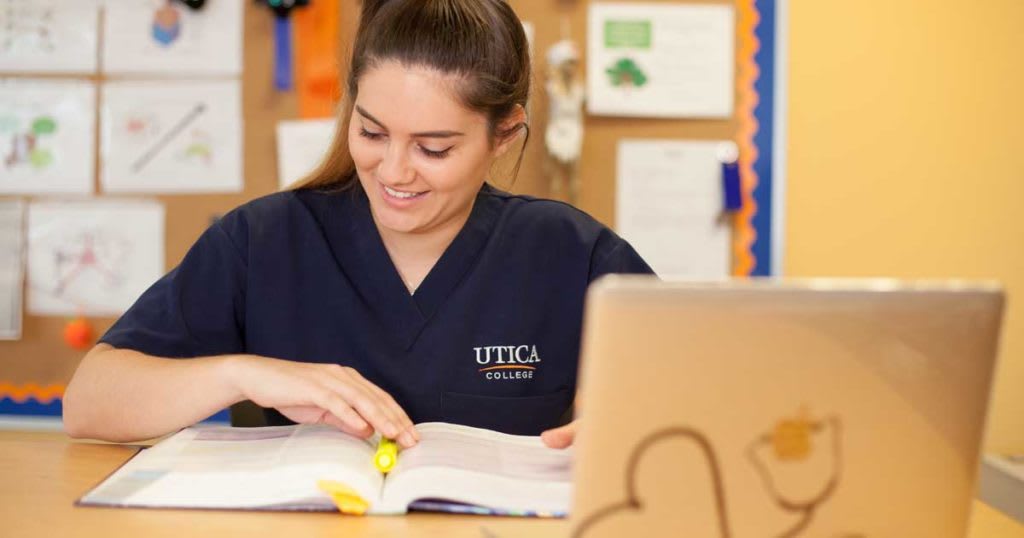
426 134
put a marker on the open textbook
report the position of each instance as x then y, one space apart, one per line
452 468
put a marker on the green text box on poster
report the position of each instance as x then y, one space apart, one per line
627 33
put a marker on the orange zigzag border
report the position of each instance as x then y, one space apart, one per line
748 72
21 393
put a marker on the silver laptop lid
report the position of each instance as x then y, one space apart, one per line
817 408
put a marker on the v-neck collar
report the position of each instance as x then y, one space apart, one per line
359 250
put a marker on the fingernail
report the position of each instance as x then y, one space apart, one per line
406 440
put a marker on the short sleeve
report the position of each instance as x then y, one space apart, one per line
197 309
612 254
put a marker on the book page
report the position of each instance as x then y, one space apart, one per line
511 473
244 468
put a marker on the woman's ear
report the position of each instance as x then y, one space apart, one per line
508 130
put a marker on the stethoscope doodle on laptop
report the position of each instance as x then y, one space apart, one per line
789 442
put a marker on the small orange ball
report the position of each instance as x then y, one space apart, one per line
78 334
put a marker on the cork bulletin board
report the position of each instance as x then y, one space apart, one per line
35 369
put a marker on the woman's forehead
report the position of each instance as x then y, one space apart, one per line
414 98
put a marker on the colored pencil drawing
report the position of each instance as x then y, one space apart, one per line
166 24
166 37
46 136
92 258
90 251
26 28
48 36
27 147
173 137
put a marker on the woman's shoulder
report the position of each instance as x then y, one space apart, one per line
271 217
279 208
543 214
554 226
272 205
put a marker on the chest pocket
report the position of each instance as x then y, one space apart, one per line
526 415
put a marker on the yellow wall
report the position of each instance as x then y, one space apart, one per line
906 154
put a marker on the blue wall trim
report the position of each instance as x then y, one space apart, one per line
31 408
764 113
55 408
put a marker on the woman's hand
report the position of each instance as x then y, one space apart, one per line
312 393
560 437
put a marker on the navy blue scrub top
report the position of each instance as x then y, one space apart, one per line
491 338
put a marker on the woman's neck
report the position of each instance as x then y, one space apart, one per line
414 254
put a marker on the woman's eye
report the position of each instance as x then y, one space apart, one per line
438 154
435 154
370 135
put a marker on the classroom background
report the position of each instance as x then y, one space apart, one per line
874 139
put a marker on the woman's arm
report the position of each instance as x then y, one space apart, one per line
123 395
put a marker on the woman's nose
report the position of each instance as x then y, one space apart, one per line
395 168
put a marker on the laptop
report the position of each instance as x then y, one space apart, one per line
764 409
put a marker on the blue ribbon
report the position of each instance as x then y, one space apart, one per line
282 53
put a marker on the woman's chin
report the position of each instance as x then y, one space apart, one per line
398 223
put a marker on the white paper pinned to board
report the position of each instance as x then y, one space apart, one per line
172 137
668 205
661 60
12 267
301 146
168 38
49 36
92 257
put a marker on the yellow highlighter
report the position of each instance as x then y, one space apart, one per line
386 456
345 498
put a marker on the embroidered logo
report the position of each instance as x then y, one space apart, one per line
507 363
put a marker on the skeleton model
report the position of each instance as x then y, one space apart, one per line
564 135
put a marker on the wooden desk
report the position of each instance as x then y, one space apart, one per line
41 475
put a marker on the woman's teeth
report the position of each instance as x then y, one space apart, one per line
400 194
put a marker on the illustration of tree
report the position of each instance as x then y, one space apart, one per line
625 72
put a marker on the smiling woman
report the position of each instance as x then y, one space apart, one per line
421 158
367 296
426 116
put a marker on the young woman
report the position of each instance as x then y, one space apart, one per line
394 285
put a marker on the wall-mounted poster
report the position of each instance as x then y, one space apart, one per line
172 136
46 136
158 36
92 257
669 206
12 267
301 146
661 60
49 36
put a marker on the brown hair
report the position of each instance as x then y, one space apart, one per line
481 42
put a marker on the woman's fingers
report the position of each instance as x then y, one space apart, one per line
407 435
358 393
376 395
314 414
332 420
357 404
561 437
336 405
